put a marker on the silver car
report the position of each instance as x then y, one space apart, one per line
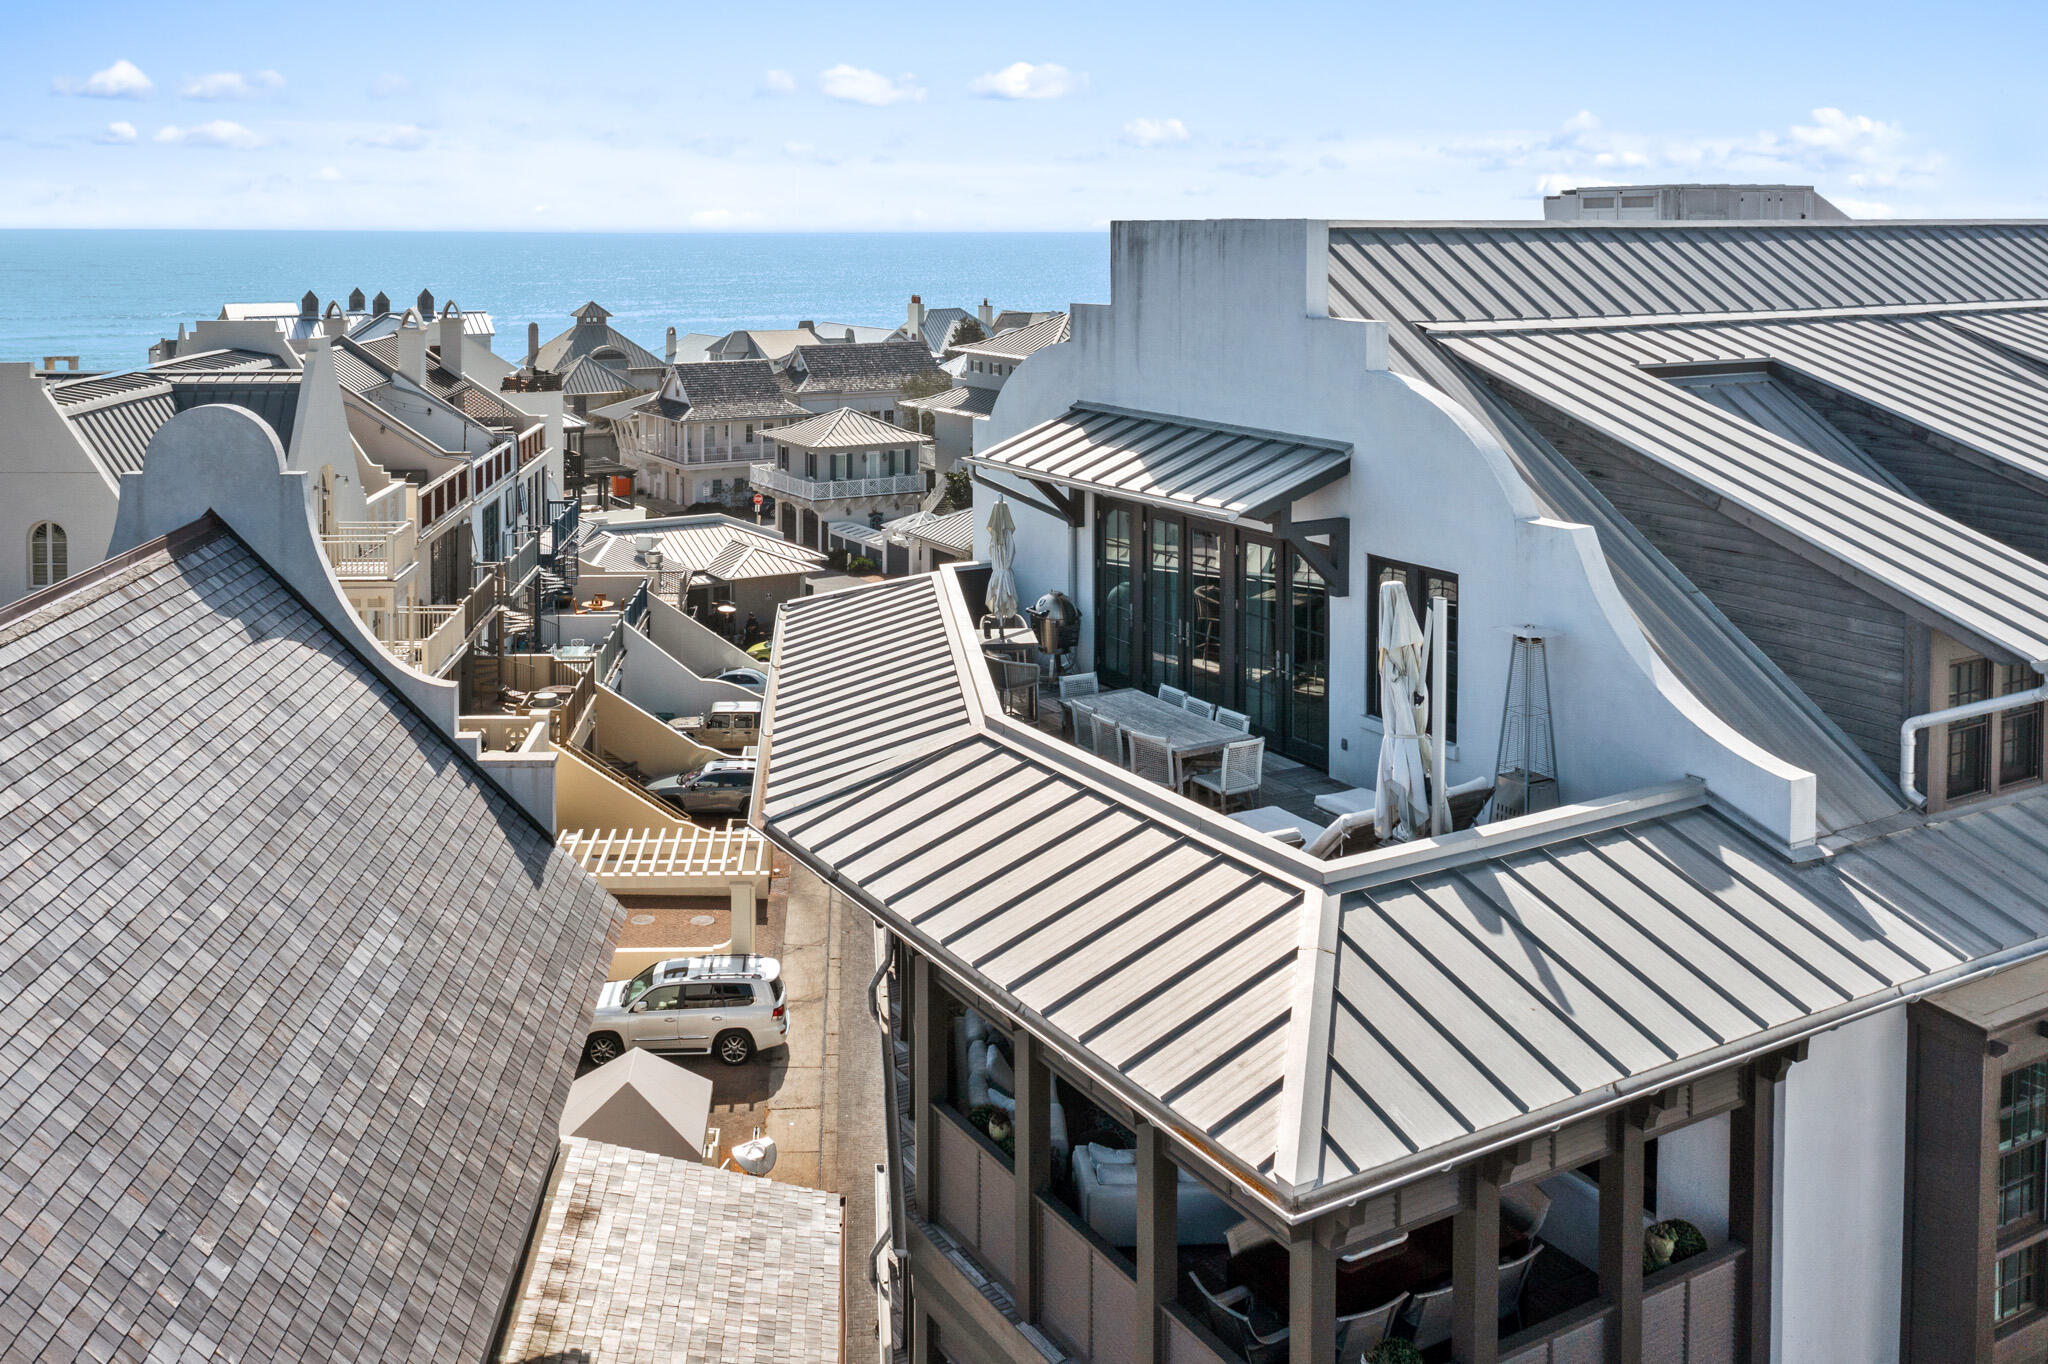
728 1007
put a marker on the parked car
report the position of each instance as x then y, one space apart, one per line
728 1007
753 679
722 787
732 726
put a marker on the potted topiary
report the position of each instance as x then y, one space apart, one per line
981 1115
1394 1350
1668 1242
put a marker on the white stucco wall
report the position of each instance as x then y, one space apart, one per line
1228 322
1842 1197
49 477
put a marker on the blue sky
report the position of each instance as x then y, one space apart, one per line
630 116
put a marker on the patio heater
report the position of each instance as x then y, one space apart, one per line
1525 769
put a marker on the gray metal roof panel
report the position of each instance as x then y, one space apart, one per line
233 943
1170 461
844 428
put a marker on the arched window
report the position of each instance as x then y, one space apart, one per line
48 561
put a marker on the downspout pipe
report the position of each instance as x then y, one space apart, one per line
1910 730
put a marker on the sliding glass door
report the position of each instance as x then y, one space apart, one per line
1165 614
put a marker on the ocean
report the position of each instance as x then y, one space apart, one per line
106 295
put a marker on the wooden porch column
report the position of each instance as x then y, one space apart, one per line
927 1072
1475 1268
1751 1179
1311 1299
1158 1243
742 897
1033 1166
1621 1235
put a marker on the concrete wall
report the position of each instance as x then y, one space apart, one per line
700 650
1228 322
1841 1197
1692 1177
656 682
587 798
626 733
49 477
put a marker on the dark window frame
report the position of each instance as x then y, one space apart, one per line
1418 580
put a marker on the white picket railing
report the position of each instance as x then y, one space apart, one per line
772 479
369 549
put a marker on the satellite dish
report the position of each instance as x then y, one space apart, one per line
756 1157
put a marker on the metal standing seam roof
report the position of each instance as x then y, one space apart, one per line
1166 958
1225 471
698 546
964 402
1022 343
584 376
741 560
953 532
244 1111
588 337
844 429
1959 575
1459 1007
115 417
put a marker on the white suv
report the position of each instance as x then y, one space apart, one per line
728 1007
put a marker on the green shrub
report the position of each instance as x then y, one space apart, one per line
860 563
1394 1350
979 1116
1686 1239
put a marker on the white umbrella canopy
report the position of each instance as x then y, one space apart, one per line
1401 794
1001 599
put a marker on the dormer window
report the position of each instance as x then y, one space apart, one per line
48 554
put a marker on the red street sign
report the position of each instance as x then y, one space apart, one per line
757 499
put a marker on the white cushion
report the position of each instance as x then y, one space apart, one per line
1109 1155
1001 1100
1115 1174
999 1073
1357 800
1274 822
976 1025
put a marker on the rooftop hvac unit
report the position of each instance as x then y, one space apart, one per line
1525 769
642 543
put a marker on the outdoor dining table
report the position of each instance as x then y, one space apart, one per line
1187 734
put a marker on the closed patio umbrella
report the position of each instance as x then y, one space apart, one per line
1401 795
1001 600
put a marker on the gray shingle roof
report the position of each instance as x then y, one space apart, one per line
643 1259
734 390
878 368
252 907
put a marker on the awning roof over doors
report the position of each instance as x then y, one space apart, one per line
1228 472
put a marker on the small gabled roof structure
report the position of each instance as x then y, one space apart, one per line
724 546
1024 342
585 376
845 429
367 367
115 415
732 390
642 1101
592 334
959 402
952 532
880 368
251 902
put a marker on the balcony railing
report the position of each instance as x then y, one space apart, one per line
370 550
781 481
424 637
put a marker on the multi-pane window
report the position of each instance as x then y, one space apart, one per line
1969 769
2022 1133
2019 738
48 555
1420 584
2017 1288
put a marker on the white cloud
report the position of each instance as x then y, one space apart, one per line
394 137
389 84
1155 132
723 217
1022 80
232 85
858 86
119 131
219 132
327 173
122 80
777 82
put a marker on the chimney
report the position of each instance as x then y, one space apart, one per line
451 338
381 304
309 305
532 345
807 326
671 345
355 300
916 325
412 348
987 315
425 303
335 323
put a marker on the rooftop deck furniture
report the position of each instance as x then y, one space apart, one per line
1151 757
1514 1276
1172 696
1275 822
1195 705
1242 1324
1016 685
1072 689
1236 719
1242 772
1420 1262
1429 1315
1360 1333
1105 738
1188 735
